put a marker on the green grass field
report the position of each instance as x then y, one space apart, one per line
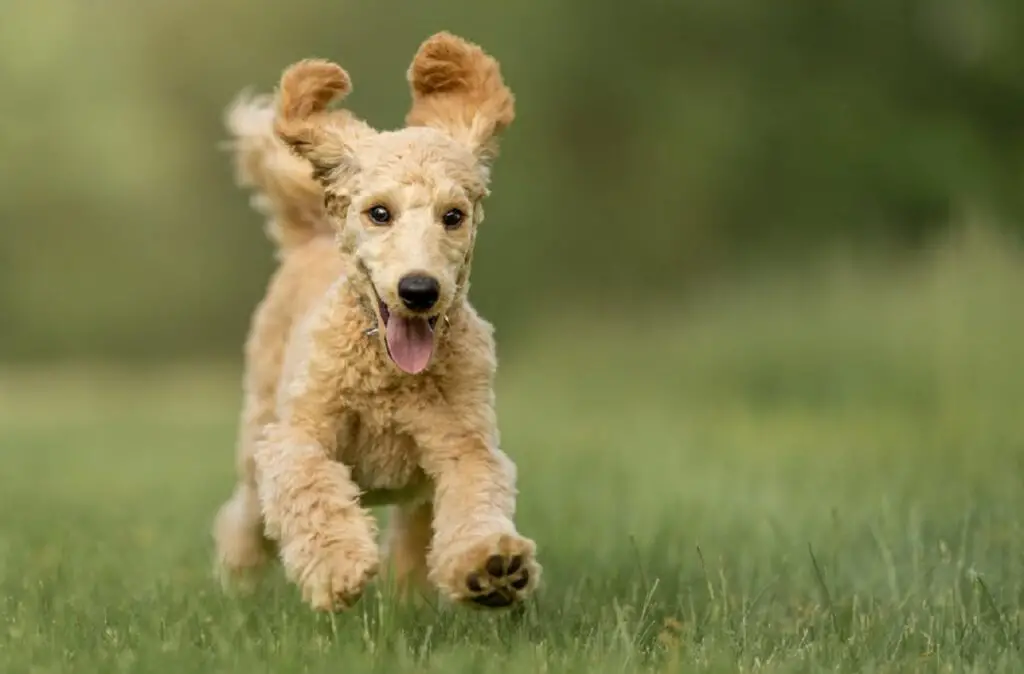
821 472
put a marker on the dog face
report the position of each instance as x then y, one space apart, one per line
406 203
410 226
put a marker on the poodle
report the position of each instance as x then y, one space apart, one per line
368 374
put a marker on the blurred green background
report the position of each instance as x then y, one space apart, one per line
659 146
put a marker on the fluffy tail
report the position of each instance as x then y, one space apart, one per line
283 186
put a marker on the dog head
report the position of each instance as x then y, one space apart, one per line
406 203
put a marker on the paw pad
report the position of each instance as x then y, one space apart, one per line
503 577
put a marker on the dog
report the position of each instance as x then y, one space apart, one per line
369 376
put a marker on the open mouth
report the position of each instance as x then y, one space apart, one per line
409 339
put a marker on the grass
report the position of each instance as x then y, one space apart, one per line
808 473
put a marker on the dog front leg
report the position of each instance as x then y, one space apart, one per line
476 554
326 539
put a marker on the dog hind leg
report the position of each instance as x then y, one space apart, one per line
242 548
409 533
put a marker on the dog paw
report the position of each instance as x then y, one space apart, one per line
497 572
335 577
242 552
239 577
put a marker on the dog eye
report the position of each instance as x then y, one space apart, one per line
379 215
453 218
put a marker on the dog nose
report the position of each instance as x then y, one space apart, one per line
418 292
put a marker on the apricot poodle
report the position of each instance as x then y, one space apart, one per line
369 376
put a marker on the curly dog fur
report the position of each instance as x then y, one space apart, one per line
358 392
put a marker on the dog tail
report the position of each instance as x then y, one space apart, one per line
283 187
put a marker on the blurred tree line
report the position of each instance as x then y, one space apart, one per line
657 142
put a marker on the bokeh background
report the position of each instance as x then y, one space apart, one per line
756 271
658 145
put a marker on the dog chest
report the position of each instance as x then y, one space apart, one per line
384 462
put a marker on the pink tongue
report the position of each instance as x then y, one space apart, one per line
410 342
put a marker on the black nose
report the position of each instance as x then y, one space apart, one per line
418 292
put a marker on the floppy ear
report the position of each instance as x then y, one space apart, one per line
457 88
321 136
